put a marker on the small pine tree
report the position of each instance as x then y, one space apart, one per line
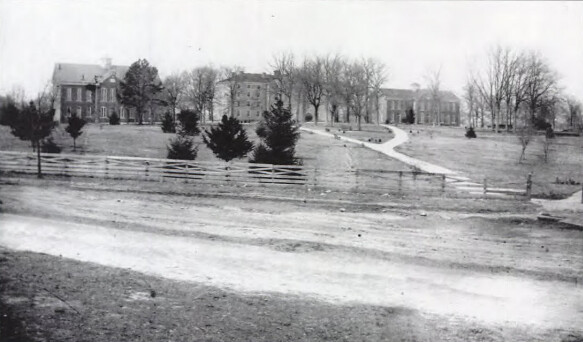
49 146
34 125
470 133
114 119
229 140
8 114
168 124
182 147
279 135
189 122
74 128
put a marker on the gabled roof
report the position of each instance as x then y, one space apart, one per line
408 94
249 77
72 73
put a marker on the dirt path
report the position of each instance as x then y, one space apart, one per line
444 265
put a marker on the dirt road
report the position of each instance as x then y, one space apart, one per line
496 271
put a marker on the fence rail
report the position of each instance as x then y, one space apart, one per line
237 174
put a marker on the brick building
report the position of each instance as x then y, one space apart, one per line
90 91
253 94
396 102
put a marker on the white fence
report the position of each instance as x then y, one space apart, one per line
403 183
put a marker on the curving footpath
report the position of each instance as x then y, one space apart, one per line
453 177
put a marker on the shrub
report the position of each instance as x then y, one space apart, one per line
49 146
279 134
228 140
309 117
189 122
168 125
114 119
549 133
182 147
470 133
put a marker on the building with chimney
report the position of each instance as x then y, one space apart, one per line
442 108
89 90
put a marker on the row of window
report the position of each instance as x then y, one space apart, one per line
422 105
107 95
248 113
88 111
249 103
248 86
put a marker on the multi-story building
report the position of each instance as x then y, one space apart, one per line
245 96
443 109
90 91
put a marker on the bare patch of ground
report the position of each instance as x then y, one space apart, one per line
482 277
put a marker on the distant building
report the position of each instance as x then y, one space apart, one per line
252 95
443 110
90 91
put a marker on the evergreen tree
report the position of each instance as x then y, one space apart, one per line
140 87
188 122
34 125
8 114
228 140
279 135
168 124
114 119
182 147
74 128
470 133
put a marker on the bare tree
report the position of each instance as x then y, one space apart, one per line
357 87
312 78
174 91
17 94
285 74
231 77
470 96
200 89
525 135
574 108
433 79
376 76
540 81
332 88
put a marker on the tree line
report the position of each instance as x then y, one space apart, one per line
516 89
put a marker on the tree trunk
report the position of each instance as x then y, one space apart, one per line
316 115
39 175
359 127
74 145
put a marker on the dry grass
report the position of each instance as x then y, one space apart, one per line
150 142
495 157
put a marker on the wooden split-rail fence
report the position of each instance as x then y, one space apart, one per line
387 182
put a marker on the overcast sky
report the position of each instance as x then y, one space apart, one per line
409 37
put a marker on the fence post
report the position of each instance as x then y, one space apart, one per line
106 167
272 172
400 181
485 186
187 173
147 168
528 186
443 184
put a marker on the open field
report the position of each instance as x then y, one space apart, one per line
495 157
149 141
220 273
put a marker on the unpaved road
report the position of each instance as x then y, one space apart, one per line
499 272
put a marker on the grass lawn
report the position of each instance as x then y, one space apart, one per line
150 142
495 157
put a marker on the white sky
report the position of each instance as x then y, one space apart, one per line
409 37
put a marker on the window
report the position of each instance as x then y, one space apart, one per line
247 113
103 94
238 86
103 112
79 111
89 111
248 86
68 111
248 103
257 113
79 94
122 113
238 103
258 87
69 94
111 111
112 94
238 112
248 94
88 96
